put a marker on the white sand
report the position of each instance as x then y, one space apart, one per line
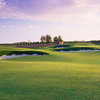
78 51
14 56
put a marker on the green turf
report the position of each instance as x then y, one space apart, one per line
56 76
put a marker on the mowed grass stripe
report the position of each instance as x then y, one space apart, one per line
59 80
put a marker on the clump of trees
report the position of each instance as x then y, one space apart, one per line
49 39
57 39
45 39
26 43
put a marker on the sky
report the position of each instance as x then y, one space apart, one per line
24 20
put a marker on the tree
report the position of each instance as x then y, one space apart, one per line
48 39
43 39
55 39
59 38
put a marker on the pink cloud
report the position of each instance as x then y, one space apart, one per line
51 10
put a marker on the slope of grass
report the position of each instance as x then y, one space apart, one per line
17 51
56 76
76 48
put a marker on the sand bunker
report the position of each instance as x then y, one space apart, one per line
14 56
78 51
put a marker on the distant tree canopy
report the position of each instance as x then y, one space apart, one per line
43 39
57 39
46 39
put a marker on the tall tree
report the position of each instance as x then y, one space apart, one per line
55 39
43 39
48 38
59 38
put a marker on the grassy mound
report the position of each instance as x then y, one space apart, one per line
76 48
21 52
18 51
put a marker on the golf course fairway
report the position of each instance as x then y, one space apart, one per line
55 76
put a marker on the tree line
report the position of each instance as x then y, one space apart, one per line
45 39
48 39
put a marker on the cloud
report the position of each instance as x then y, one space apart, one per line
36 7
31 26
4 26
51 10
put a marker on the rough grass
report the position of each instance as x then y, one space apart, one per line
57 76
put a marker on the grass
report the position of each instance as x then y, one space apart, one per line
75 47
20 52
17 51
56 76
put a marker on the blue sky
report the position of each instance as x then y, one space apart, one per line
23 20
